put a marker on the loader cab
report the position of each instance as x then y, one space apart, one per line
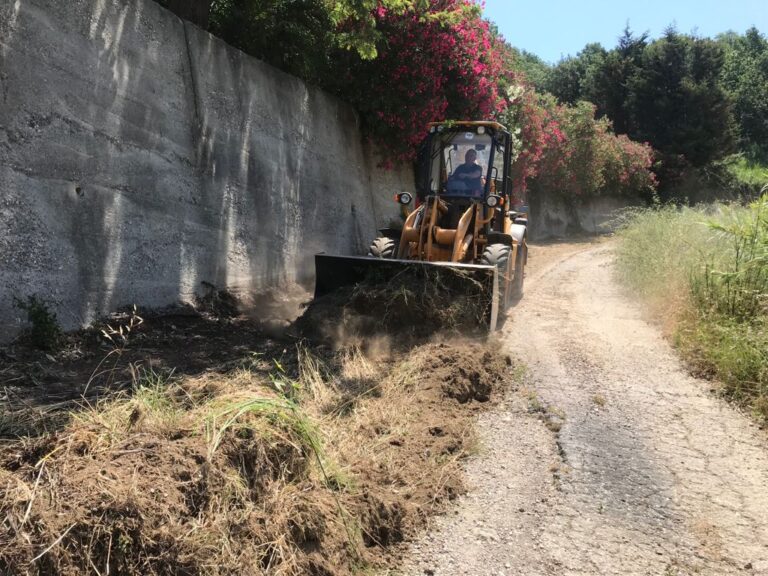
444 170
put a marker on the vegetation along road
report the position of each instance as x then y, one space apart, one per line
609 458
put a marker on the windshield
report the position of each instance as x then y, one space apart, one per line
460 163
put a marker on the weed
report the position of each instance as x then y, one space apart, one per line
282 384
278 412
45 332
519 372
313 373
149 406
338 480
746 172
535 406
553 425
117 334
599 399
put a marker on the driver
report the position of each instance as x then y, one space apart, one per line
469 173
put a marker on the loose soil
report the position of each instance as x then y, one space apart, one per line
406 307
206 444
37 387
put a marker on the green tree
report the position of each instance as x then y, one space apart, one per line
574 77
745 78
565 79
293 35
677 103
533 68
606 83
196 11
298 36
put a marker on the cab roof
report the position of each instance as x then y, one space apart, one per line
473 123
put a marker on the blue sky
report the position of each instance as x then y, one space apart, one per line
555 28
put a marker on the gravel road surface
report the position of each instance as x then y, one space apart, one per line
610 458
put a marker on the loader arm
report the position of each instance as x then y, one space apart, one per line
461 243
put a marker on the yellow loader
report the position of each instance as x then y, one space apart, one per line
463 222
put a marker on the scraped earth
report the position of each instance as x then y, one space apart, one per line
610 458
199 440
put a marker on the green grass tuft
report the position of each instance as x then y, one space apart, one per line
748 172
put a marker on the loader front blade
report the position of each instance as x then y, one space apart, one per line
474 280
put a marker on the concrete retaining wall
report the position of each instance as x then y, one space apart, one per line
553 217
140 156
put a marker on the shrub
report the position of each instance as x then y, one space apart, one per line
734 281
565 150
44 332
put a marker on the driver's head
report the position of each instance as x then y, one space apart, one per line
470 156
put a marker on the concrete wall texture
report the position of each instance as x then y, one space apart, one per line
554 217
140 156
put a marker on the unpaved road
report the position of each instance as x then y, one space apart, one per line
649 472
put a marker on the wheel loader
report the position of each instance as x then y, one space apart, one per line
463 221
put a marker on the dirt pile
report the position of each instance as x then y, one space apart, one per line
409 306
319 462
409 432
161 486
467 373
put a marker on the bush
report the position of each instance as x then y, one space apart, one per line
566 151
749 176
295 36
44 332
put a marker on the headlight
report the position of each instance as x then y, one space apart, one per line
404 198
492 201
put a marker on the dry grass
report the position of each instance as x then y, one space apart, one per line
599 400
704 271
386 409
154 482
408 305
314 466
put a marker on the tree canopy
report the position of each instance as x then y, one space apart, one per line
745 78
696 100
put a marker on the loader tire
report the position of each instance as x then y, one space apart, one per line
499 255
383 248
519 278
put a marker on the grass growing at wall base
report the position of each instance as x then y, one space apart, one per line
704 272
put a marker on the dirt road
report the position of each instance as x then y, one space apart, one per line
615 460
